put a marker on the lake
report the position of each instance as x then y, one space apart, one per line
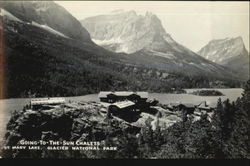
8 105
232 94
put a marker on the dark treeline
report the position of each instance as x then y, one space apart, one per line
208 93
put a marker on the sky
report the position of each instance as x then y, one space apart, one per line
192 24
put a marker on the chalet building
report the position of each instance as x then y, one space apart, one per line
173 106
112 97
204 107
122 106
126 110
181 107
189 108
153 102
43 102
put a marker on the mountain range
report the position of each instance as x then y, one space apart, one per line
229 52
49 53
144 37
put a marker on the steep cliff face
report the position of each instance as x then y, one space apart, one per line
230 52
222 51
49 15
128 32
145 39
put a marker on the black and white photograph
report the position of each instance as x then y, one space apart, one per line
124 80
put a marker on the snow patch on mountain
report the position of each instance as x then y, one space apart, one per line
165 55
107 42
9 15
49 29
124 48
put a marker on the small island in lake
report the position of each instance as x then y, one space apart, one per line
207 93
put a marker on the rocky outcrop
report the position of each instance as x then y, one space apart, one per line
82 121
71 122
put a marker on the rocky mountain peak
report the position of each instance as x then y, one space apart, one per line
230 52
145 39
229 40
239 41
219 50
149 14
132 13
126 31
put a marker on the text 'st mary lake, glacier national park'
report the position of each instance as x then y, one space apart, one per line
124 79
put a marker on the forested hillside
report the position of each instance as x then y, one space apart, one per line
40 63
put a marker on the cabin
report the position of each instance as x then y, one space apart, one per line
41 102
189 108
112 97
124 109
122 106
173 106
203 106
153 102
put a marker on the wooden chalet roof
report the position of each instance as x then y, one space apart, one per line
173 104
104 94
205 105
188 105
123 104
42 101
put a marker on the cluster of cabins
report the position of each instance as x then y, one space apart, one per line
126 105
119 101
137 101
190 108
112 97
124 102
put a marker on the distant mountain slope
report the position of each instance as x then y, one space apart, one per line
49 14
145 38
229 52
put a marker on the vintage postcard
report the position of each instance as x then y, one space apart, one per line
124 79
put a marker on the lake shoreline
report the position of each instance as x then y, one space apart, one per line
9 105
165 98
96 93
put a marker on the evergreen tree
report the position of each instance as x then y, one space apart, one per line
217 126
238 143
